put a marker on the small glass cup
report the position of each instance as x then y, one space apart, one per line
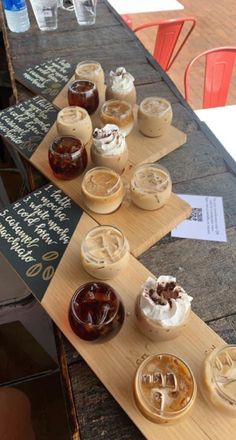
67 157
96 312
164 388
150 186
85 11
119 113
83 93
218 384
45 12
154 116
104 252
91 71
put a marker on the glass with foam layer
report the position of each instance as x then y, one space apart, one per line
121 86
162 308
104 252
218 383
164 388
75 121
119 113
102 190
154 116
91 71
96 312
109 148
150 186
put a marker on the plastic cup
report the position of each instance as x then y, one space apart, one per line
45 12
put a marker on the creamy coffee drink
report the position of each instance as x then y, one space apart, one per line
91 71
219 380
119 113
121 86
162 308
150 186
104 252
109 148
102 190
75 121
154 116
164 388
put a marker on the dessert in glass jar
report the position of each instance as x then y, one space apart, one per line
91 71
102 190
109 148
67 157
162 308
164 388
154 116
150 186
104 252
75 121
119 113
83 94
96 312
121 86
218 384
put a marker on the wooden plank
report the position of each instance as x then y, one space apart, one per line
140 236
207 269
122 354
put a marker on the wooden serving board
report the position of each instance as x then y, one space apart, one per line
115 362
142 228
141 148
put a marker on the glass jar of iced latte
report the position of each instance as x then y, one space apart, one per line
154 116
164 388
104 252
150 186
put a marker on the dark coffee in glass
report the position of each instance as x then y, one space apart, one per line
84 94
96 312
67 157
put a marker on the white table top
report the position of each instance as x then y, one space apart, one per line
222 122
139 6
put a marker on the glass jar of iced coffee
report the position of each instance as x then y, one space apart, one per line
164 388
162 308
67 157
91 71
119 113
150 186
83 94
104 252
219 379
102 190
121 86
154 116
75 121
96 312
109 148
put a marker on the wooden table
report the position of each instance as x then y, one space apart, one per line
205 269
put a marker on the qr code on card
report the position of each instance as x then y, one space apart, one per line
196 215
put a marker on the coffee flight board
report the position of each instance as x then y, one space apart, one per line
46 79
34 233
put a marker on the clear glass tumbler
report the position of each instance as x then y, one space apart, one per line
45 12
85 11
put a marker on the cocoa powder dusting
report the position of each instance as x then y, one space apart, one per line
164 293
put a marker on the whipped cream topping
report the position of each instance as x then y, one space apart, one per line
108 140
121 80
164 301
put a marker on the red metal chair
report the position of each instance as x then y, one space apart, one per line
168 33
128 20
219 64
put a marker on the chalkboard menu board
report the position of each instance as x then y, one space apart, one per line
35 232
48 78
26 124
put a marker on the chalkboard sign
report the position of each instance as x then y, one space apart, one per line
35 232
26 124
48 78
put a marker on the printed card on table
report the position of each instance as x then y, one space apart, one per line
207 219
